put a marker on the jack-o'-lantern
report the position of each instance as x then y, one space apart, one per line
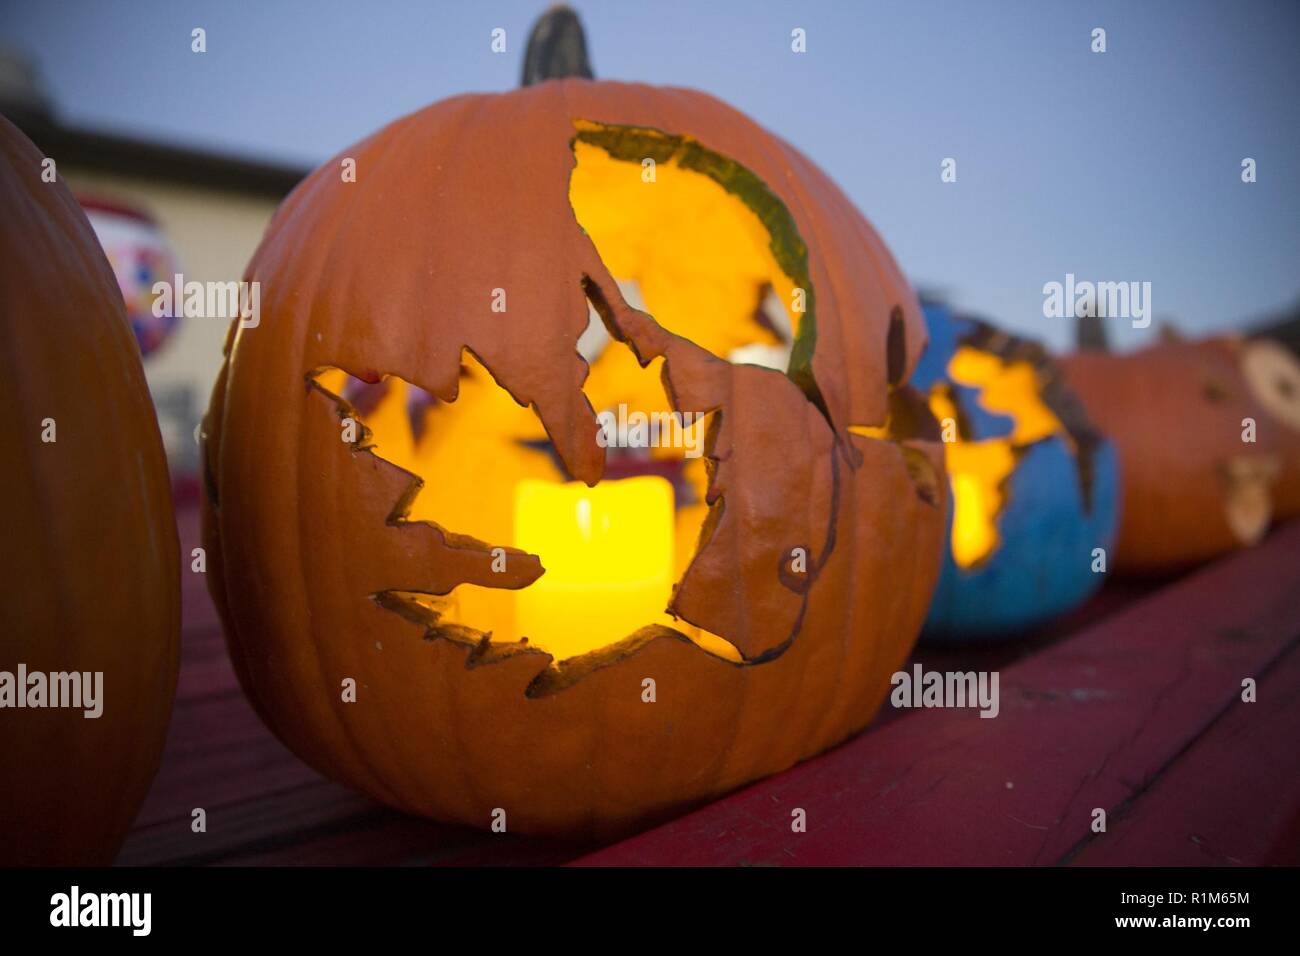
1272 375
1033 485
508 520
1200 456
89 563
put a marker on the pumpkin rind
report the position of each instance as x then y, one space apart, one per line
89 558
391 276
1192 488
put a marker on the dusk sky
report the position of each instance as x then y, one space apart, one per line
1115 166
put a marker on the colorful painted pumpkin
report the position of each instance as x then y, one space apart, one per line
140 256
1034 487
1194 484
380 569
89 564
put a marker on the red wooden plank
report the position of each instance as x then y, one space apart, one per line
218 752
1086 723
212 724
198 613
1232 798
221 779
492 849
264 806
387 840
324 823
238 827
390 839
205 677
1111 599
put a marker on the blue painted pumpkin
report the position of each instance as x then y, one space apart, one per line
1034 487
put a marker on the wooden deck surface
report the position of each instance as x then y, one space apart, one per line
1132 705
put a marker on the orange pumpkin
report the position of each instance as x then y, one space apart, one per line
1193 485
410 436
89 557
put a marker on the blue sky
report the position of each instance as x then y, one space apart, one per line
1116 166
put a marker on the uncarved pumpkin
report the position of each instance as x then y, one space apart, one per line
89 564
441 303
1034 487
1178 411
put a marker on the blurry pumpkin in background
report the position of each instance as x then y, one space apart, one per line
583 637
1272 374
1034 487
1178 412
140 256
89 563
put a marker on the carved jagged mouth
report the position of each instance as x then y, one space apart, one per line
464 458
1072 421
710 269
1004 396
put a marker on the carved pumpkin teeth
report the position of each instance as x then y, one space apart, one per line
484 424
1248 502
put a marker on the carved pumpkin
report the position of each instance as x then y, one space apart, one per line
407 447
1193 487
1273 376
89 556
1033 486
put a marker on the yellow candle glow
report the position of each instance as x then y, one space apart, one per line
608 555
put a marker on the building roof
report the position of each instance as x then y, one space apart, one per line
160 162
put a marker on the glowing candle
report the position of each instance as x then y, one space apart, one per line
608 554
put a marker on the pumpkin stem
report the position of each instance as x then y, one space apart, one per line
1090 333
557 48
